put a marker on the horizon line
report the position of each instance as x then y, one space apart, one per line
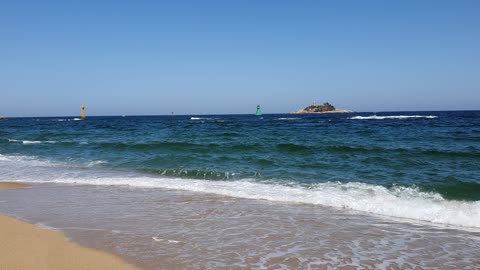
135 115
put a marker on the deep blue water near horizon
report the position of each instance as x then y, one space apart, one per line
433 151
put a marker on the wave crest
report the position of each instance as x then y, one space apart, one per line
30 142
398 202
381 117
408 202
200 118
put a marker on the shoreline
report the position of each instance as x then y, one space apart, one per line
13 185
27 246
187 229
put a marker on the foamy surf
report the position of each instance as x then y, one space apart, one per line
96 163
402 202
22 163
377 117
398 201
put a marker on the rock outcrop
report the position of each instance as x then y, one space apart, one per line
324 108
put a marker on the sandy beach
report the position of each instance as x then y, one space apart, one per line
25 246
155 228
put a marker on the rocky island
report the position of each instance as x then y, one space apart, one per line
324 108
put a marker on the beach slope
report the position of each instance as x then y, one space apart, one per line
25 246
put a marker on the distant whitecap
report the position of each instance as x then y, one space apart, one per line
377 117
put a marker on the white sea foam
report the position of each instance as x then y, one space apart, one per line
400 202
380 117
288 118
20 163
37 142
158 239
47 227
199 118
96 162
67 119
30 142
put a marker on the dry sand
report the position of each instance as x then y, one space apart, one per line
24 246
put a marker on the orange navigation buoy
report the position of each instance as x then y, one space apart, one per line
83 112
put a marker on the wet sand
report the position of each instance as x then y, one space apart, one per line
25 246
174 229
12 185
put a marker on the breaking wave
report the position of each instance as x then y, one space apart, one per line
407 202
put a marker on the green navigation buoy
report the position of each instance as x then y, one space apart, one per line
259 112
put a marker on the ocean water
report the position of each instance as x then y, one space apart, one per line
390 189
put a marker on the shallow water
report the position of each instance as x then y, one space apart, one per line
157 229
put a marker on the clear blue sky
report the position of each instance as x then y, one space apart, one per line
207 57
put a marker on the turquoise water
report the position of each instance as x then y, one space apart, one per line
431 158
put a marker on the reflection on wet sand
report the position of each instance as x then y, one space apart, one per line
156 228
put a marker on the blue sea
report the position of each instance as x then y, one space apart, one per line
413 171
